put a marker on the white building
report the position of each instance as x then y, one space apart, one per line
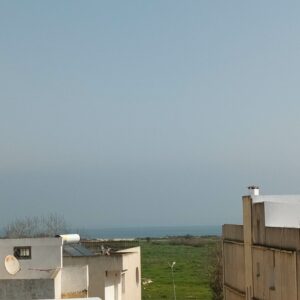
36 268
111 277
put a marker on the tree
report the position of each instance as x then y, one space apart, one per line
43 226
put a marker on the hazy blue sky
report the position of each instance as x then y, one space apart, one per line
147 112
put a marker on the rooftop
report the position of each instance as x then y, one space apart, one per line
280 210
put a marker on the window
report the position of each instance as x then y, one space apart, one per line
22 252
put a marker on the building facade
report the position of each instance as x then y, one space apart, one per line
32 268
116 276
261 258
60 267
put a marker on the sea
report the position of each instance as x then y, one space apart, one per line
151 232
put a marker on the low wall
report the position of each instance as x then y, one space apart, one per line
98 265
234 265
74 280
27 289
230 294
283 238
233 232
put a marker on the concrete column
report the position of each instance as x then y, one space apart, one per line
247 220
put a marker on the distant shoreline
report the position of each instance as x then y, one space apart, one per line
152 232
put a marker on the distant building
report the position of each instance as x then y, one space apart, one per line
59 268
114 268
261 258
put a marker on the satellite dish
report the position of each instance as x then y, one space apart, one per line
12 265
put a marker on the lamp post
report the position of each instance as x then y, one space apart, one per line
172 271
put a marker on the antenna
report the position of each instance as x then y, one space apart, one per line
12 265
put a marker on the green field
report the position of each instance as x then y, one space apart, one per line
193 257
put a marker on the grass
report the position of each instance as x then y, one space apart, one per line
193 257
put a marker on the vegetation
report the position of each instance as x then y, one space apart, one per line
195 259
196 262
49 225
216 273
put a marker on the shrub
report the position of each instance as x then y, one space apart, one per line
216 273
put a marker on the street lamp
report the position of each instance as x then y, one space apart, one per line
172 271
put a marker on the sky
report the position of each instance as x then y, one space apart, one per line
147 113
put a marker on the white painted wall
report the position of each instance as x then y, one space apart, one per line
132 262
93 298
103 268
46 257
57 284
280 211
276 198
113 286
282 214
98 265
74 279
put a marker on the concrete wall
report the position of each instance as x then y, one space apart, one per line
294 199
46 254
97 265
106 272
74 279
282 214
113 285
274 270
76 298
234 268
280 211
132 274
258 224
271 268
27 289
232 294
283 238
274 274
57 283
233 232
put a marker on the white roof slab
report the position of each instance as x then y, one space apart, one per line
280 210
